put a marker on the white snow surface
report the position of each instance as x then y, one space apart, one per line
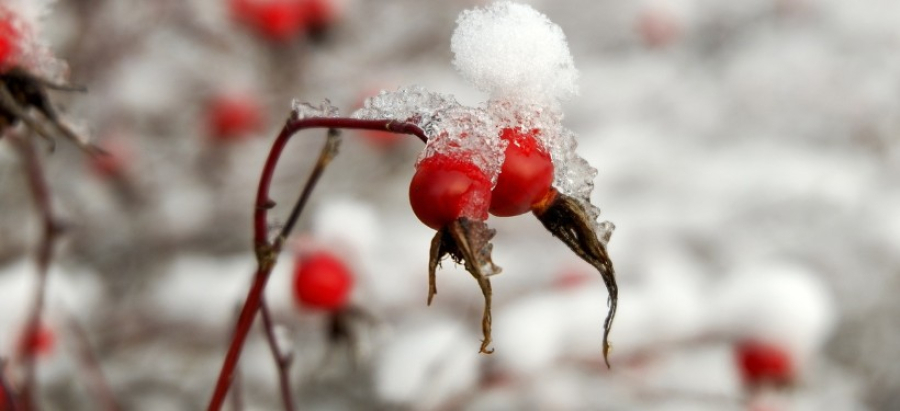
509 49
426 364
776 302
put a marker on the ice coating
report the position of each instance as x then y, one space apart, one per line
509 49
572 175
452 129
301 109
25 18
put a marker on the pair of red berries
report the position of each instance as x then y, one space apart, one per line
282 20
322 281
446 188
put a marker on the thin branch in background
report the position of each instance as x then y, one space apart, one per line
282 360
266 252
40 192
94 378
6 392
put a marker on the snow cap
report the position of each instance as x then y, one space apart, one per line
512 50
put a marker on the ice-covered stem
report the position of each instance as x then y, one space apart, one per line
282 361
264 203
90 364
40 193
267 251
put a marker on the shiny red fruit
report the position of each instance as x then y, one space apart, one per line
525 177
322 281
233 117
764 363
445 189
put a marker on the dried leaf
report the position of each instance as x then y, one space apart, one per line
568 220
467 242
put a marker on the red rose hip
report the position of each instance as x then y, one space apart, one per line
446 188
322 281
525 177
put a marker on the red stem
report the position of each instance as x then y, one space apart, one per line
266 251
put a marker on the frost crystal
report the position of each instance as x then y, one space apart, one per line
509 49
413 104
301 109
452 129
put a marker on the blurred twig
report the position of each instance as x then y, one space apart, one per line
40 192
6 392
282 360
90 364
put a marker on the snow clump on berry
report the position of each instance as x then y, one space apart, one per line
509 49
453 130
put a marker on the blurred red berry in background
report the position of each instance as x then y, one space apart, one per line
233 117
115 160
658 27
764 364
38 343
9 39
284 20
322 281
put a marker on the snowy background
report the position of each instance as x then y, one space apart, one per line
747 154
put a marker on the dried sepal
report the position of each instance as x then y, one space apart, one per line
468 242
20 91
566 218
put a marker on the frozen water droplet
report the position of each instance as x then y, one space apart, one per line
301 109
452 129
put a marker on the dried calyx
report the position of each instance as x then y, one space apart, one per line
21 91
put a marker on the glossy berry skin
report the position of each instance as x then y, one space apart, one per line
525 177
446 188
322 281
233 117
764 364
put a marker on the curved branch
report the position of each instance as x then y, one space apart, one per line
266 251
